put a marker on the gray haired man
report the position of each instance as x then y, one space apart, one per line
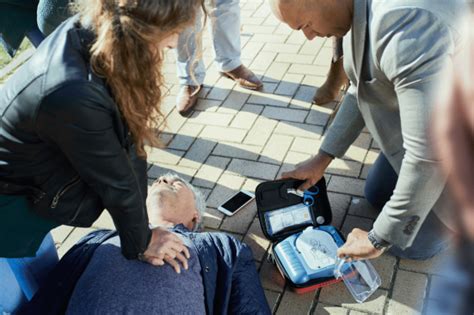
219 276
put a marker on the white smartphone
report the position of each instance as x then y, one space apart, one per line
232 205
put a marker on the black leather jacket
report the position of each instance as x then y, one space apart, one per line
59 123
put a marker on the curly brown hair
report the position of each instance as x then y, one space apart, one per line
126 54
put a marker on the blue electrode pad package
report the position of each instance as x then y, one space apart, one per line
310 254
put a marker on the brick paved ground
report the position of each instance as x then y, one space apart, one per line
236 139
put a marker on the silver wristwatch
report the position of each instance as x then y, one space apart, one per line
377 242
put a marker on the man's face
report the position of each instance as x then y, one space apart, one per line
317 19
175 200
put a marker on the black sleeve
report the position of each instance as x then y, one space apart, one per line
79 119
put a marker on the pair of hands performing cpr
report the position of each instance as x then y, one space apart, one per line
311 171
166 247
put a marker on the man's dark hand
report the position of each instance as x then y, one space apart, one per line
311 170
358 246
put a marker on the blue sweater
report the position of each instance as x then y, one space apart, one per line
230 279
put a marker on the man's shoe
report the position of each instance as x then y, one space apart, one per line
335 82
187 98
244 77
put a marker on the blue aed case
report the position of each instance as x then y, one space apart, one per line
304 244
310 254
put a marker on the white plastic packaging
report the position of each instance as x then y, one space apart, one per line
360 278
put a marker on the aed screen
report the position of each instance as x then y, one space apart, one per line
236 202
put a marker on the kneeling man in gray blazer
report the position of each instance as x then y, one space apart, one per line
393 53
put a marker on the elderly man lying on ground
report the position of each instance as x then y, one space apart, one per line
218 276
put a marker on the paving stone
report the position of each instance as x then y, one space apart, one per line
271 278
223 133
212 218
295 58
240 222
72 239
339 204
208 105
186 136
289 84
237 150
262 61
261 29
219 92
251 20
359 148
251 184
256 240
344 167
385 266
297 37
246 117
168 156
227 185
299 130
269 99
275 150
324 309
209 173
281 48
324 57
272 298
184 172
361 207
234 102
431 266
205 191
306 69
305 145
351 222
295 158
314 81
216 119
312 46
319 115
350 186
292 303
368 162
283 29
198 153
404 300
269 38
61 233
276 71
260 132
253 169
104 221
287 114
338 294
174 121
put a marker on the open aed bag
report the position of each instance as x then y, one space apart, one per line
304 245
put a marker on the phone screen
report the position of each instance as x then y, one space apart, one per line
236 202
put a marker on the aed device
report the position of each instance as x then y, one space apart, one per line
304 244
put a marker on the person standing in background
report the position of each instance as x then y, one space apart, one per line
224 20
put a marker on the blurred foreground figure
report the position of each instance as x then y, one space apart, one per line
453 131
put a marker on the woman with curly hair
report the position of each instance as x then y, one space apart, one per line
74 123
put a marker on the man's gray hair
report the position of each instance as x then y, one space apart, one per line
198 197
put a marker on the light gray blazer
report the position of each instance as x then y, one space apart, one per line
393 55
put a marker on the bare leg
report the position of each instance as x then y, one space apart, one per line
336 79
